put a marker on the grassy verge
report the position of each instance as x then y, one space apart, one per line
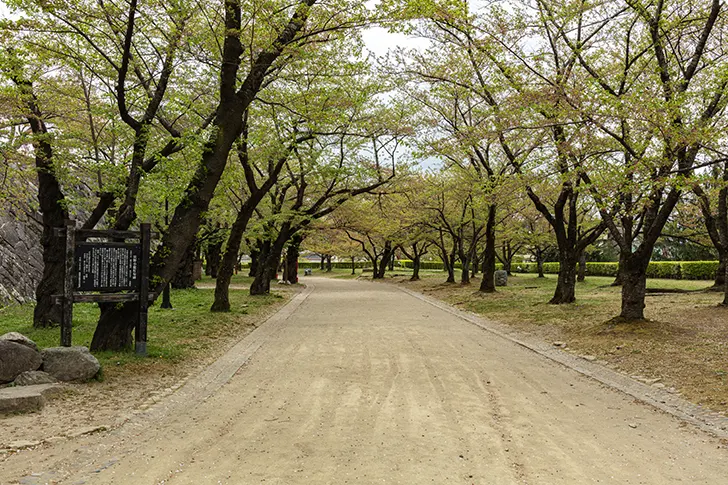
683 343
187 331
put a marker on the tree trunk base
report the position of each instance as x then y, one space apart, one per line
220 306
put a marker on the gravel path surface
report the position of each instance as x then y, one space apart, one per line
365 384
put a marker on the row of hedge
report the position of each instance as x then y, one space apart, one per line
679 270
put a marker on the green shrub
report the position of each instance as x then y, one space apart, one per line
698 270
664 269
601 269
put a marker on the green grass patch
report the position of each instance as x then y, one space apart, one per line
187 330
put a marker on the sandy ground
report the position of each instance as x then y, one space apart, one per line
365 384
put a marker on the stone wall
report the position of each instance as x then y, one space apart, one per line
21 257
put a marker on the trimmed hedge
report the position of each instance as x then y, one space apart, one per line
698 270
686 270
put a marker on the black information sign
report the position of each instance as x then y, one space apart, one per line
107 266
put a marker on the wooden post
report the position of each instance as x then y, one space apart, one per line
140 344
68 286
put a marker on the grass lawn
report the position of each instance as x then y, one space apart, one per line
684 342
186 331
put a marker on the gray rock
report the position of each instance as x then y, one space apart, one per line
70 363
501 278
15 359
19 338
26 398
34 377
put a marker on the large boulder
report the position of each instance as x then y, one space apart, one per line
70 363
33 378
15 359
19 338
501 278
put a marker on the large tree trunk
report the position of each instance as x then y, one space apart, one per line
46 313
487 284
52 204
449 260
184 277
566 284
634 284
329 266
230 259
323 262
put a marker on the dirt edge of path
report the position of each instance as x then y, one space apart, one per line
698 416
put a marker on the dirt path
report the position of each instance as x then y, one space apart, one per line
365 384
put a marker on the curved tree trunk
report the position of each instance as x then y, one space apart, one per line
539 263
52 204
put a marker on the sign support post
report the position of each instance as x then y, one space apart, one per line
140 343
68 286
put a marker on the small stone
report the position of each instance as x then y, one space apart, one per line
19 338
501 278
659 385
34 377
633 425
23 444
70 363
559 344
590 358
15 359
86 431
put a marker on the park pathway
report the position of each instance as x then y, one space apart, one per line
365 384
